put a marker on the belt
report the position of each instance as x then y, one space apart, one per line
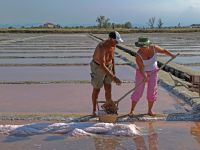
96 62
99 64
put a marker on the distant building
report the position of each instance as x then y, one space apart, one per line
49 25
195 26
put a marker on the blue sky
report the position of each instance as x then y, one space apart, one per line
85 12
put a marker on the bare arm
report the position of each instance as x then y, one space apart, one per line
164 51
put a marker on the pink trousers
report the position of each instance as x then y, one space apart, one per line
152 78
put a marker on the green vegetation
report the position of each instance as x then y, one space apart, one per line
103 22
98 31
104 26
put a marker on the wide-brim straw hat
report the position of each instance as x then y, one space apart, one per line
143 42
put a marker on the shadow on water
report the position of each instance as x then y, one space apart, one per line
54 138
10 139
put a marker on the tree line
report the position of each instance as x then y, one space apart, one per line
104 22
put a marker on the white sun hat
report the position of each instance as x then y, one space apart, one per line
115 35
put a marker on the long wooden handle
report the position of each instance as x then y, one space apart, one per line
168 61
121 98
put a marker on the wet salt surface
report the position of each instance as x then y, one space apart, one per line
195 67
51 61
76 98
39 49
153 135
46 55
59 73
186 60
15 36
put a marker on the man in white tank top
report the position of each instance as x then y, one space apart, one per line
146 71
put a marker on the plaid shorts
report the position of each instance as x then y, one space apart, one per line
98 76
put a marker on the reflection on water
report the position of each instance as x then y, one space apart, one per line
155 136
106 143
152 143
195 130
147 141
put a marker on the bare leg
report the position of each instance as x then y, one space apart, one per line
150 105
95 94
108 89
132 108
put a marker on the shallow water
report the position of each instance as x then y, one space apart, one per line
154 136
59 73
49 61
76 98
46 55
186 60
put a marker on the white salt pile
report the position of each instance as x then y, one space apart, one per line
71 129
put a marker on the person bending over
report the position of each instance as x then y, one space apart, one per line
146 72
103 68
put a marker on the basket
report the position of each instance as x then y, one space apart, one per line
104 116
108 118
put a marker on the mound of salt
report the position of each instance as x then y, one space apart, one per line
73 129
124 130
5 129
59 128
113 129
79 132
